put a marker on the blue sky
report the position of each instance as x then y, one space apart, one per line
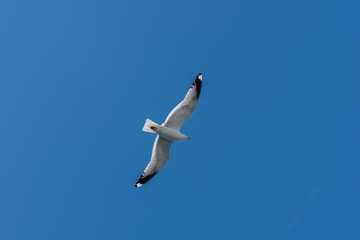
275 137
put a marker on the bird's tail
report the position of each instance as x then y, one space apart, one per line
150 126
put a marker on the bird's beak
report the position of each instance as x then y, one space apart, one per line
188 137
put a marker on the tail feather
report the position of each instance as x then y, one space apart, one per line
150 126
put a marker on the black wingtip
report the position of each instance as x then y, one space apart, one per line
144 179
198 83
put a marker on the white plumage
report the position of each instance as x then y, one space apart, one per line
169 131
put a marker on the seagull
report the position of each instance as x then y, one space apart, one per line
169 131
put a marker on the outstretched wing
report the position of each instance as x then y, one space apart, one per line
159 157
184 110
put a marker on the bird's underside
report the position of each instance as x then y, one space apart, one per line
169 131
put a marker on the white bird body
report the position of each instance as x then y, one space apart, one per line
163 131
169 131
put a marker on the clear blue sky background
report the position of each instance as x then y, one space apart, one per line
275 138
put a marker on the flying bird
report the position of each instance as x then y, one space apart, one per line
169 131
